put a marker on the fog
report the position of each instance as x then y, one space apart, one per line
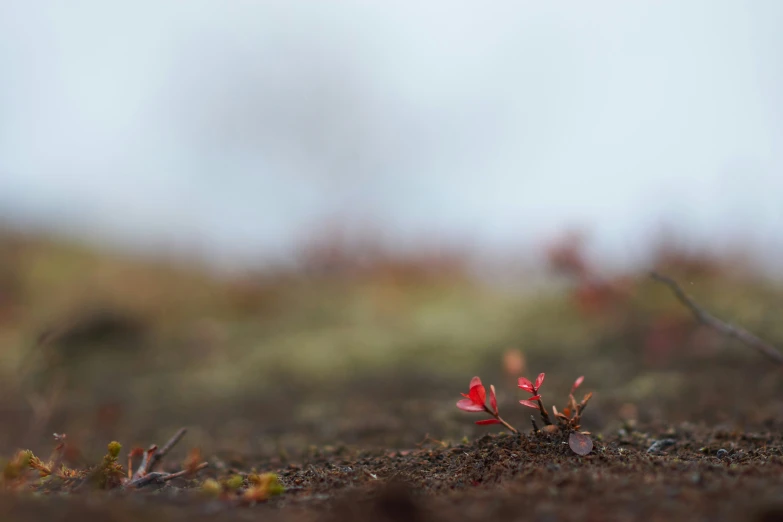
238 130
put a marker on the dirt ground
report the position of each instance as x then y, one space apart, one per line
380 468
698 474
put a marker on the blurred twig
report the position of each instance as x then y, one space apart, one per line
713 322
162 452
144 475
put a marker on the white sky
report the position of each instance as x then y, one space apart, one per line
239 128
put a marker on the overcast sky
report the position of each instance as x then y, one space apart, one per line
240 128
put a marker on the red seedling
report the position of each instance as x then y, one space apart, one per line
566 422
570 417
534 401
475 401
528 386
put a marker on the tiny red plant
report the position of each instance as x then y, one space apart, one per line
570 417
475 401
566 421
534 401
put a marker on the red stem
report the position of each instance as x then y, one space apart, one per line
508 426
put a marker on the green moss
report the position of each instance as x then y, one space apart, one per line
110 473
234 482
211 487
267 484
114 449
14 468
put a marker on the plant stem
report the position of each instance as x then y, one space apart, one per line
544 414
506 424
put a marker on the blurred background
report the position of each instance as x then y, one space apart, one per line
288 225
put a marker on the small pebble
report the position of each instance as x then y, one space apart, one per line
660 445
722 453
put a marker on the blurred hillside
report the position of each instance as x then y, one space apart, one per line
100 344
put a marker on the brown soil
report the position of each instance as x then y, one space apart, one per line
363 454
683 473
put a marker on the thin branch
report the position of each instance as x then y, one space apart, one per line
185 472
144 475
713 322
159 477
156 477
146 463
158 455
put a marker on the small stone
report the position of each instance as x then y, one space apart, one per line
580 443
660 445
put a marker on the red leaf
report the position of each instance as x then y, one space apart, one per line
474 400
529 404
577 383
525 385
478 394
487 422
469 405
580 444
534 398
587 398
493 401
539 381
